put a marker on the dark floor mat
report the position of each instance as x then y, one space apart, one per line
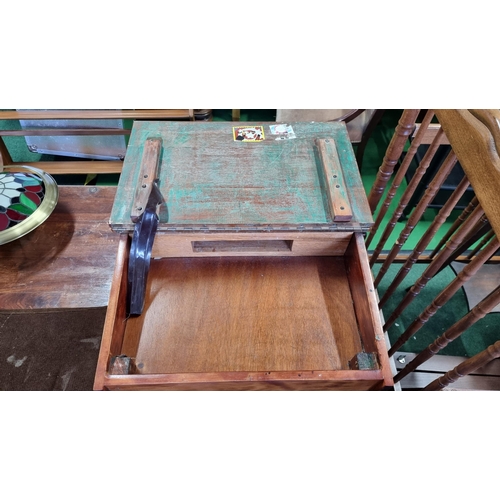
52 350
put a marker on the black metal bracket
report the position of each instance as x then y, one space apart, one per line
140 253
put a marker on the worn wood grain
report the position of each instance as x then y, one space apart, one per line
406 197
244 314
429 133
491 119
241 324
435 265
5 158
67 261
147 176
256 323
347 380
425 258
116 314
486 279
404 128
447 293
72 167
95 114
65 132
475 146
248 244
400 175
467 367
206 177
456 224
260 310
417 213
365 300
424 241
338 198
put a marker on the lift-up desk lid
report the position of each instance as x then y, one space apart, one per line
209 178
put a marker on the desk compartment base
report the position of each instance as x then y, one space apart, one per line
246 323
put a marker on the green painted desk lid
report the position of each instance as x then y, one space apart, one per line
210 178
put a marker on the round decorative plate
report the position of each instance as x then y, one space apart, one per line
27 198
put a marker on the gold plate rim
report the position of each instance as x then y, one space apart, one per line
41 214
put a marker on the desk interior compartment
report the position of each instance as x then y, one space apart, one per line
247 322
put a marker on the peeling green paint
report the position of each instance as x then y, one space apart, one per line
208 178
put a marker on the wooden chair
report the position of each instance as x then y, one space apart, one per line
452 181
474 136
79 166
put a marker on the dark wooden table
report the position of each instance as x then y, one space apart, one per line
68 261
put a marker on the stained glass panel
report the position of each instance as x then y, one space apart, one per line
20 196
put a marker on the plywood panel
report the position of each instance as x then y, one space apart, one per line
250 381
244 314
245 244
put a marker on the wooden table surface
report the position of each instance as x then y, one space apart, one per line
68 261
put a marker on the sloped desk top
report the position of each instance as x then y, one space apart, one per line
207 178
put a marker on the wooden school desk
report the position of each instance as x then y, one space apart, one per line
258 276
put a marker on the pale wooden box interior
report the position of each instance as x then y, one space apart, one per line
248 322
